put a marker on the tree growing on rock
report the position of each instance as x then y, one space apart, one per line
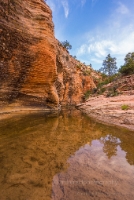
109 66
67 45
128 67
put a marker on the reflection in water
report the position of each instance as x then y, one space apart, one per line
92 175
110 145
64 156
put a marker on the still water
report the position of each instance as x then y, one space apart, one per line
64 156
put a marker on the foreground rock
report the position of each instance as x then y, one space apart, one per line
110 110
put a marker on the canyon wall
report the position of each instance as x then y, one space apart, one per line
74 78
35 70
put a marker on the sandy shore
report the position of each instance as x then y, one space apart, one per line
10 111
109 110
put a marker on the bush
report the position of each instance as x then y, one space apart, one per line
107 80
124 107
78 66
86 73
87 94
67 45
101 90
67 58
94 90
112 92
128 67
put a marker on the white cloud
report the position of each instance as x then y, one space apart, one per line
115 36
66 7
96 60
122 9
55 5
117 46
82 49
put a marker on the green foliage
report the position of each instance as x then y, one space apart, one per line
109 64
101 90
107 80
67 45
87 94
112 92
67 58
86 73
78 66
94 90
124 107
90 65
128 67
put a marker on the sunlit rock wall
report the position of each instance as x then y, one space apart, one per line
27 53
74 78
35 70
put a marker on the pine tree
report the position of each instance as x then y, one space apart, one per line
109 64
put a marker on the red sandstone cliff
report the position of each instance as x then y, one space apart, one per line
35 70
74 78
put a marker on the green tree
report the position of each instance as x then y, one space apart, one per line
128 67
110 67
67 45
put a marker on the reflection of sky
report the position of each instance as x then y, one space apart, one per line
99 166
97 148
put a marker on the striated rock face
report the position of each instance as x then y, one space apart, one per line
74 78
34 69
28 58
123 85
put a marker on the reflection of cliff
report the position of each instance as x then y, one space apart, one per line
34 148
28 63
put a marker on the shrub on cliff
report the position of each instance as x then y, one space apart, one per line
67 45
128 67
87 94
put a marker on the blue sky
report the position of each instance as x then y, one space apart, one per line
95 28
